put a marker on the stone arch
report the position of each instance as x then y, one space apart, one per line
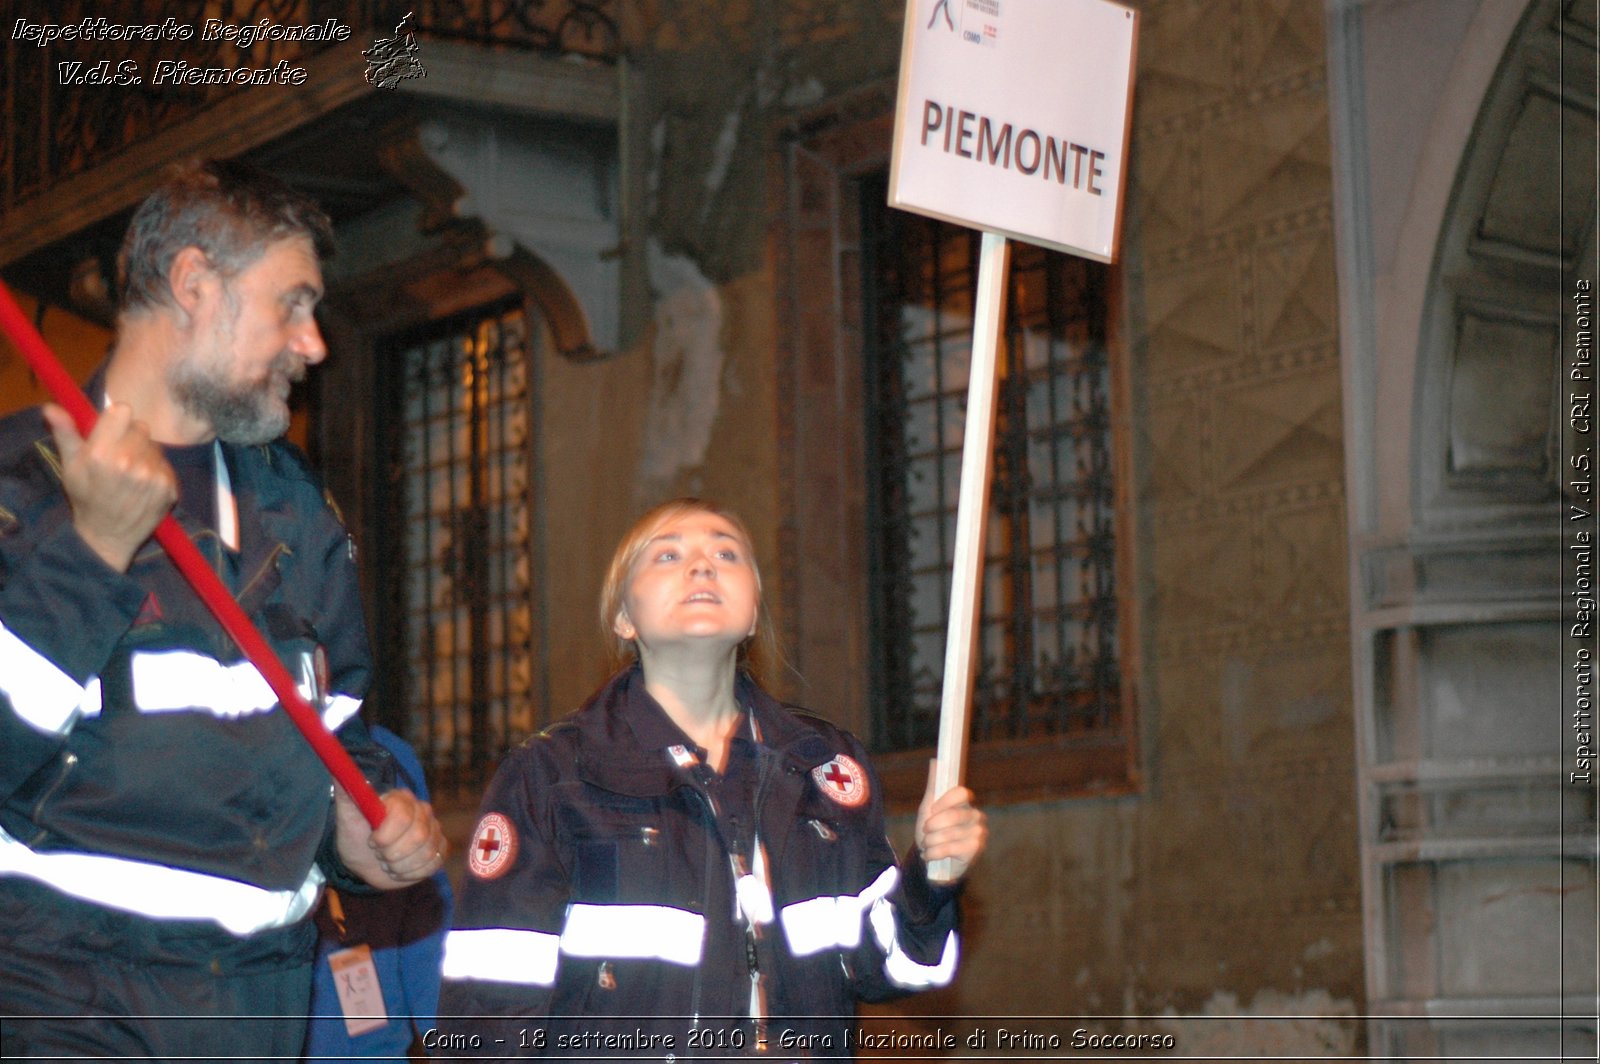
1455 260
1486 430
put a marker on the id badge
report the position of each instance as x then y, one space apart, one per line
360 997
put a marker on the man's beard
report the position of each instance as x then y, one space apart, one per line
243 414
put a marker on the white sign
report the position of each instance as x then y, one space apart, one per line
1013 117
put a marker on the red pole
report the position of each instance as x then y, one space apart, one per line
187 558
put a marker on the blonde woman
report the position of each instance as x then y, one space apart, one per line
685 867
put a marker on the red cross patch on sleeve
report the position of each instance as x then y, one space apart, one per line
843 780
494 845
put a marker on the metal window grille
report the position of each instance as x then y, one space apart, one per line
460 521
1047 652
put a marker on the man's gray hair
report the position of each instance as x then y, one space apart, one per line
230 211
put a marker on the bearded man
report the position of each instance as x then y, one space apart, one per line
165 832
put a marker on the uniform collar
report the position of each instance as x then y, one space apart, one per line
777 728
633 753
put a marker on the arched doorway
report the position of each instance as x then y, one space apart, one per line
1464 239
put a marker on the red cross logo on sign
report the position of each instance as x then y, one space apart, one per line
842 780
494 844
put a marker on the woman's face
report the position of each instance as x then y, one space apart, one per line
694 581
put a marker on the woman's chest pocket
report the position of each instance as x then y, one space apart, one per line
620 855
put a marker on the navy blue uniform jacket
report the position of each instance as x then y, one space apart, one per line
608 906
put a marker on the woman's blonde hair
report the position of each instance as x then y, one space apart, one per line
753 652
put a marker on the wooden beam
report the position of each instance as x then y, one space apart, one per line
523 82
255 115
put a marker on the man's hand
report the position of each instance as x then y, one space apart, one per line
407 847
950 826
119 483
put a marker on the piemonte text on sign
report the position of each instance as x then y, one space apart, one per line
1013 117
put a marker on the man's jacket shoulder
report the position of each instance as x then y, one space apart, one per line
284 462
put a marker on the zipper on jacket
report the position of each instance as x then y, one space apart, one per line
767 761
742 871
68 764
705 898
758 990
823 831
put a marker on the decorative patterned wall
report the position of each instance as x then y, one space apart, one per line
1232 312
1246 831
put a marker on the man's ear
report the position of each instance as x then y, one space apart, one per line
188 277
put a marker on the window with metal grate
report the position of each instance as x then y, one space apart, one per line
460 653
1048 661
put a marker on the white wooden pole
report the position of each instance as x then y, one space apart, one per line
972 519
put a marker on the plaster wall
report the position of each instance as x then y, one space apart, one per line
706 356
